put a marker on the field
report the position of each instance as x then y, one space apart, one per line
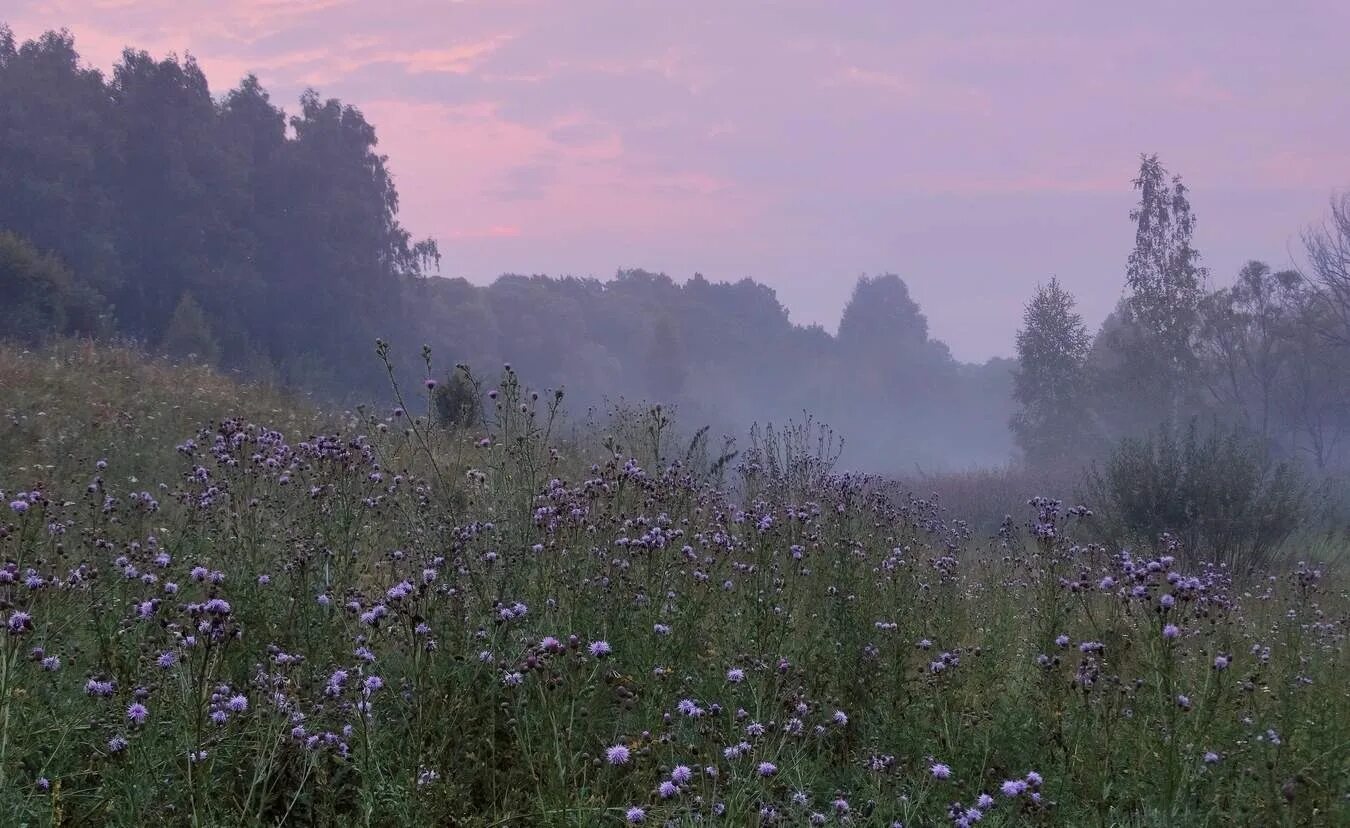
225 606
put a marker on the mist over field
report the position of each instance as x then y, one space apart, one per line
499 414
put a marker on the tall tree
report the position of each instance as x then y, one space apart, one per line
1165 280
1053 425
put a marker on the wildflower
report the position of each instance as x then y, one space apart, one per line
661 629
167 659
985 801
667 789
1013 787
1220 662
44 784
19 506
681 774
840 718
617 755
1211 757
940 771
51 664
1061 640
20 622
635 815
1171 631
513 679
1034 779
735 675
238 703
1167 601
99 689
766 769
137 713
600 649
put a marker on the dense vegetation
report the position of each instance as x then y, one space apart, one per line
485 602
372 619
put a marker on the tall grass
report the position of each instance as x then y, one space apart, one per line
282 617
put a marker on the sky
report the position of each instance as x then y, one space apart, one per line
976 149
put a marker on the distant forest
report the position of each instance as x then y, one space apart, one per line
223 229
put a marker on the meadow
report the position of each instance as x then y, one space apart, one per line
224 605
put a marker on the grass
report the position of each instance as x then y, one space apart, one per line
378 621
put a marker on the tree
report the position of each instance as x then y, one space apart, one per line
188 334
1053 425
41 296
666 369
1328 251
1165 283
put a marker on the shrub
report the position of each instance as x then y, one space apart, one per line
1219 492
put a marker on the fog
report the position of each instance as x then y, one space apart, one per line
975 239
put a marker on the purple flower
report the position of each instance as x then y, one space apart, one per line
617 755
600 649
51 664
635 815
735 675
1171 631
167 659
1220 662
19 506
940 771
681 774
1211 757
766 769
117 744
238 703
840 718
1034 779
137 713
1013 787
667 789
19 622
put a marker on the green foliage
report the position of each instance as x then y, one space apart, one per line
188 335
41 297
1053 427
1217 491
459 401
847 636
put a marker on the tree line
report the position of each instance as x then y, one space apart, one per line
227 230
222 228
1267 356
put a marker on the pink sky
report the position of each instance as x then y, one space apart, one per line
975 150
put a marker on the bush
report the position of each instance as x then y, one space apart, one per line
1219 493
458 401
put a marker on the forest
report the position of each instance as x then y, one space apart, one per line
223 229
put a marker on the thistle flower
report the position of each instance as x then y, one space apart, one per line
600 649
617 755
681 774
766 769
1171 631
635 815
940 771
735 675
